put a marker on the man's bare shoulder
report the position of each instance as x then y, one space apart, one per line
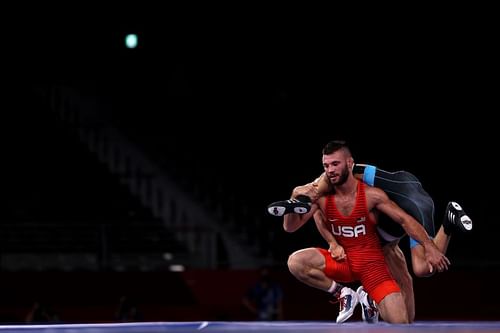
375 194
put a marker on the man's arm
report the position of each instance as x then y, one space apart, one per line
415 230
336 250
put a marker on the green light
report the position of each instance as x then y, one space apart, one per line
131 41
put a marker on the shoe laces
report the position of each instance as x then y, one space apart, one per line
343 303
340 300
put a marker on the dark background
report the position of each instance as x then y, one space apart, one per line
250 100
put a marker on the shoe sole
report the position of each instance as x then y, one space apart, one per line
300 210
465 221
276 210
281 208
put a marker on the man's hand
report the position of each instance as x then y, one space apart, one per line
337 252
435 258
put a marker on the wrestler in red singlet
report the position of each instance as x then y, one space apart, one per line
365 260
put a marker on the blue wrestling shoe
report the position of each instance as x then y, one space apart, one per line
369 310
299 205
455 218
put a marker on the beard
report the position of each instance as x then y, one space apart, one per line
342 178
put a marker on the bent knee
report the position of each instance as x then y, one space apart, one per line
393 309
293 263
298 259
302 260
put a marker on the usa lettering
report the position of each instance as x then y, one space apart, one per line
348 231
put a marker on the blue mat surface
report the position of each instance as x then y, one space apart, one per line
262 327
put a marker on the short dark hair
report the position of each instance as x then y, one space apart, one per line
336 145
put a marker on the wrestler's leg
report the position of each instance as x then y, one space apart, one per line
321 185
308 266
302 196
299 203
442 240
310 190
392 309
314 189
398 267
378 282
315 268
455 219
418 262
420 265
405 189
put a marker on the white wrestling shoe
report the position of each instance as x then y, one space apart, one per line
348 300
369 308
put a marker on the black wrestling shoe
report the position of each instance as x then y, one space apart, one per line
299 205
455 218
